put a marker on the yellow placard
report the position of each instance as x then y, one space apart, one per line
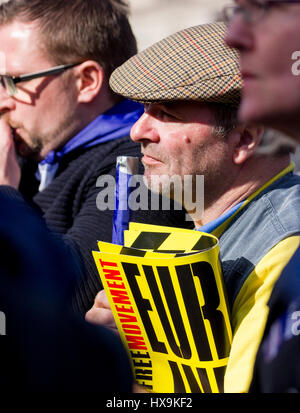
170 308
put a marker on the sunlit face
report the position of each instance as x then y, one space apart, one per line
271 76
42 112
178 139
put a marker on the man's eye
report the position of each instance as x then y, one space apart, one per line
159 113
167 115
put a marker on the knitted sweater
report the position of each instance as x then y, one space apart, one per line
69 206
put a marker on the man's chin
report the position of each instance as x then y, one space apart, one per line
165 185
147 178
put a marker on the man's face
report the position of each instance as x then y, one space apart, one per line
41 114
271 89
178 139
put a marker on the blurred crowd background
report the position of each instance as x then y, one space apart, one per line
154 19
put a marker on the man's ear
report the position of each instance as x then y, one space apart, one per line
89 81
244 141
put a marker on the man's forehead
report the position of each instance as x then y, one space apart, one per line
2 63
19 30
184 111
178 105
20 48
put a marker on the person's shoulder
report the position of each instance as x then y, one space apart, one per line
284 198
277 204
106 152
288 181
99 158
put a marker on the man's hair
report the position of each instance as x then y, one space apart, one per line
273 143
225 119
76 30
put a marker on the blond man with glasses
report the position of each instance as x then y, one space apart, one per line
60 117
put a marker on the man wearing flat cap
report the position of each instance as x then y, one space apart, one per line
190 85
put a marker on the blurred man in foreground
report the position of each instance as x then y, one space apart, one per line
267 35
44 346
59 114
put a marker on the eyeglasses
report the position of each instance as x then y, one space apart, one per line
9 82
253 10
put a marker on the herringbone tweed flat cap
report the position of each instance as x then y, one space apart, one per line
193 64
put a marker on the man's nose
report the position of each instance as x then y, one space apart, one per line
144 129
239 34
7 103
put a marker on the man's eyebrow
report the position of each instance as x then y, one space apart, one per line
9 74
170 107
166 105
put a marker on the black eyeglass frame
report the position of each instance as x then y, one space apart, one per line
10 82
264 6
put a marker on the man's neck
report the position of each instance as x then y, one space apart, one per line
85 115
248 180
